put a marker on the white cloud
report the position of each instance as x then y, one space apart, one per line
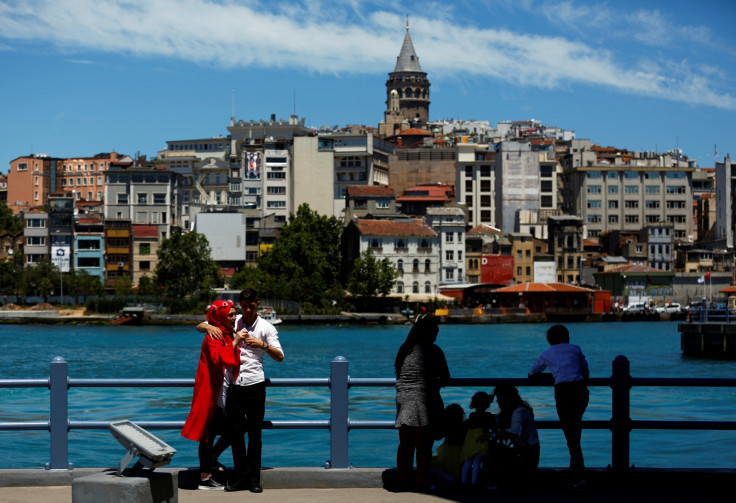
361 36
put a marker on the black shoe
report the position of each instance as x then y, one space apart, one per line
255 487
210 484
240 485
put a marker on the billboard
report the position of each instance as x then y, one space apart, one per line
60 257
545 272
497 269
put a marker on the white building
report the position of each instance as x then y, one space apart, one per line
449 223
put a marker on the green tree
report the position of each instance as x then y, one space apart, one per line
252 277
83 283
8 221
45 287
185 266
371 276
304 262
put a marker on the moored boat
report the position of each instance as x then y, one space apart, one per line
269 314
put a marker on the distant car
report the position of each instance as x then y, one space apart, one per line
670 308
636 308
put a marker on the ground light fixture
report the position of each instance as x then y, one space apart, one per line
152 450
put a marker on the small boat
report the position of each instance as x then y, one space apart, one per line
269 314
130 316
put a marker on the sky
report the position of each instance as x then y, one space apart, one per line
81 77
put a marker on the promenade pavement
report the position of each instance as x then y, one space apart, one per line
308 485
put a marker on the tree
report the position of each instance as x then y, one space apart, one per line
185 266
8 221
371 276
304 262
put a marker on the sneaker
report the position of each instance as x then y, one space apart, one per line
210 484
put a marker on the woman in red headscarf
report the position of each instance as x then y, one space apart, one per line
205 417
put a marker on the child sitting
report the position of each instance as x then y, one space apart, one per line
477 436
446 465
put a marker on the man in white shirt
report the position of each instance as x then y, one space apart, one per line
246 390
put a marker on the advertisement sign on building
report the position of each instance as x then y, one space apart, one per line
60 256
545 272
498 269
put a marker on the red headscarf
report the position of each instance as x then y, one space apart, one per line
217 314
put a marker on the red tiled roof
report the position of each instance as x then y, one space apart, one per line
433 192
145 231
542 287
728 289
369 190
413 227
414 132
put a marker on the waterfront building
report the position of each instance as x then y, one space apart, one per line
374 201
35 236
89 246
416 200
475 183
479 241
359 158
518 183
84 176
613 189
143 194
637 281
30 181
449 223
311 170
565 244
407 93
522 249
410 244
145 245
118 252
660 249
725 193
62 229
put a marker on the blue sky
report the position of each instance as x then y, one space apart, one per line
80 77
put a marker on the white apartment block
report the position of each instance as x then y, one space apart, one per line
518 183
627 191
449 223
475 183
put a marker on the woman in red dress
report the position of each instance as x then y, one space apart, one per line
205 417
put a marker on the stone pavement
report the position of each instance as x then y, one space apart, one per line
312 485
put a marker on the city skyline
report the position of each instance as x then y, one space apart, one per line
84 77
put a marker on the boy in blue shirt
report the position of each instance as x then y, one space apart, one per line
570 371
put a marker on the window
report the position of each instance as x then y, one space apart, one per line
676 189
383 203
401 244
594 189
276 175
280 190
399 287
276 204
631 204
400 266
449 255
145 265
613 205
22 166
613 189
593 174
594 219
631 219
631 189
594 203
449 237
459 255
649 204
450 274
36 240
159 198
144 249
122 198
142 198
88 262
415 287
612 219
427 264
651 189
415 265
36 223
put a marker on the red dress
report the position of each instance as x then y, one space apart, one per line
214 357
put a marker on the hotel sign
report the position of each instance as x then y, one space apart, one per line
60 257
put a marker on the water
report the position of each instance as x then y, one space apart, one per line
471 350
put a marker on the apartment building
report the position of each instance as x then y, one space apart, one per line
565 244
89 247
35 236
30 181
725 193
410 245
145 245
518 183
449 223
85 176
660 246
475 183
614 189
376 201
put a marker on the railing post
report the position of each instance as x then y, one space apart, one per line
621 420
59 414
339 413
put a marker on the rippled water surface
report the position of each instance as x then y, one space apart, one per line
653 349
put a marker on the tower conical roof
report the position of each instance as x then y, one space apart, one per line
408 61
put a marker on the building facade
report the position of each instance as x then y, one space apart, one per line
449 223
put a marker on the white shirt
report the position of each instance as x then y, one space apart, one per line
251 360
566 362
524 427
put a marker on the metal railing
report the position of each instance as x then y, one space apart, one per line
340 424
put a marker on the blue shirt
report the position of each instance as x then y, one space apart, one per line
566 362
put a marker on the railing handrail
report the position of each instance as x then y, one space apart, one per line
340 423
